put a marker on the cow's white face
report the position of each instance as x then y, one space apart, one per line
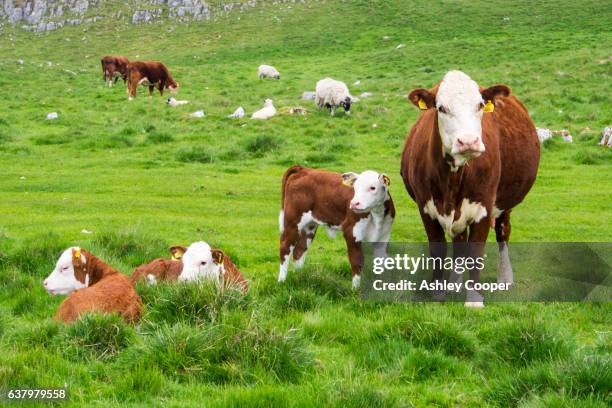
460 105
200 261
371 190
63 280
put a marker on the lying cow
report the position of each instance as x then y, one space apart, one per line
470 158
150 73
357 204
113 67
93 286
200 261
161 269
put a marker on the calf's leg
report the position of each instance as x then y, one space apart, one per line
306 237
288 242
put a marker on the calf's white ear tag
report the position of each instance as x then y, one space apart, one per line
489 107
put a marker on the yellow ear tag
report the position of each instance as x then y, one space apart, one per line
387 180
489 107
77 253
422 105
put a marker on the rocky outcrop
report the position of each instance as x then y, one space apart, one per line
41 15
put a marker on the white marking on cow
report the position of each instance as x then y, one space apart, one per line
151 279
284 266
281 221
504 267
332 231
471 212
144 81
496 212
356 282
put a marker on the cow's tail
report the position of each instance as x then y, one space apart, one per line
290 171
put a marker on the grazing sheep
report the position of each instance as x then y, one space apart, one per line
267 71
93 286
202 261
332 94
161 269
173 102
266 112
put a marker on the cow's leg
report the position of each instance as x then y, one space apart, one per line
288 241
151 89
477 239
304 242
355 255
437 249
132 85
160 86
460 250
502 233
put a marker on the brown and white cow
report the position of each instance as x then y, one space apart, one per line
200 261
359 205
469 159
150 73
93 286
161 269
113 67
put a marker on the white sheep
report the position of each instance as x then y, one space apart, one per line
266 112
267 71
332 94
238 113
174 102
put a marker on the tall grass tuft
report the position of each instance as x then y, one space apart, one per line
262 144
132 247
95 337
195 303
37 256
195 154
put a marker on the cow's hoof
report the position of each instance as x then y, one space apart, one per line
356 282
474 305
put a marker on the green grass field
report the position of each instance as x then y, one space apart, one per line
143 176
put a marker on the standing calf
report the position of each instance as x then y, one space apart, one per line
113 67
93 286
357 204
150 73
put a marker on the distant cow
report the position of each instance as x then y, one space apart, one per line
470 158
150 73
359 205
161 269
113 67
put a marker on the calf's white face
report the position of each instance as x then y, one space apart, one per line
371 190
460 105
200 261
63 281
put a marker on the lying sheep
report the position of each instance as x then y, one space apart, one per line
93 286
161 269
267 71
331 94
266 112
202 261
175 102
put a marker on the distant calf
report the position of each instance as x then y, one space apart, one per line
200 261
359 205
93 286
151 73
161 269
113 67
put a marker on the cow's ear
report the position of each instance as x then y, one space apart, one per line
384 179
217 256
422 99
493 92
348 179
177 251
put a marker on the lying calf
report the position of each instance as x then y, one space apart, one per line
359 205
161 269
93 286
202 261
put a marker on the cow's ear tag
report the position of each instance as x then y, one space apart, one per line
422 105
489 107
77 254
386 180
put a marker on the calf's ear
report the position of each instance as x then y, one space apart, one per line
384 179
348 179
489 94
422 99
177 251
217 256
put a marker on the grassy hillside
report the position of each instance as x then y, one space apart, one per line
143 176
